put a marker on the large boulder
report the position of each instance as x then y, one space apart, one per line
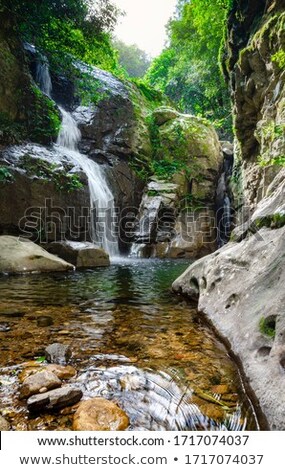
43 194
176 217
81 254
241 289
98 414
23 256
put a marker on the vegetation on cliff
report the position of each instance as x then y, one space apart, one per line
188 70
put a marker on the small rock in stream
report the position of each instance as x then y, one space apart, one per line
43 380
4 425
58 353
62 372
98 414
44 321
55 399
4 327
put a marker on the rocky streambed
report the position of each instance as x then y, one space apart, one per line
132 350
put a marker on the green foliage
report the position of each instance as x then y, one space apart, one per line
188 70
10 132
40 359
165 169
267 326
44 119
279 59
63 180
5 175
134 60
78 28
279 161
89 90
154 97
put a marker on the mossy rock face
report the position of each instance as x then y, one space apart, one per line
255 61
164 114
25 113
185 145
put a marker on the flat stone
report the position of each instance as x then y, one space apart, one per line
62 372
54 399
98 414
58 353
36 382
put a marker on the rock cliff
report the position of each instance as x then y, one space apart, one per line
240 286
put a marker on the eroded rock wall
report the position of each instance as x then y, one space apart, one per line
240 286
255 66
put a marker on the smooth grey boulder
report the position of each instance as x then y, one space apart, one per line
55 399
81 254
23 256
58 353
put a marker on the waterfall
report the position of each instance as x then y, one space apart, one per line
102 207
43 77
101 198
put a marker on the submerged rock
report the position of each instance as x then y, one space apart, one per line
4 425
81 254
44 321
55 399
23 256
41 381
58 353
98 414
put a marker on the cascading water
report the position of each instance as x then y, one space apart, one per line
102 205
43 77
101 198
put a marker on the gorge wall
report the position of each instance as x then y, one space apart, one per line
240 286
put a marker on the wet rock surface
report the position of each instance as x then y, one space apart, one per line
39 382
255 38
98 414
58 353
239 287
54 400
62 372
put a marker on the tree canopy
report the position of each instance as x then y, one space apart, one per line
188 69
76 27
133 59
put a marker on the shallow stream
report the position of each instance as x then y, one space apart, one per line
133 342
